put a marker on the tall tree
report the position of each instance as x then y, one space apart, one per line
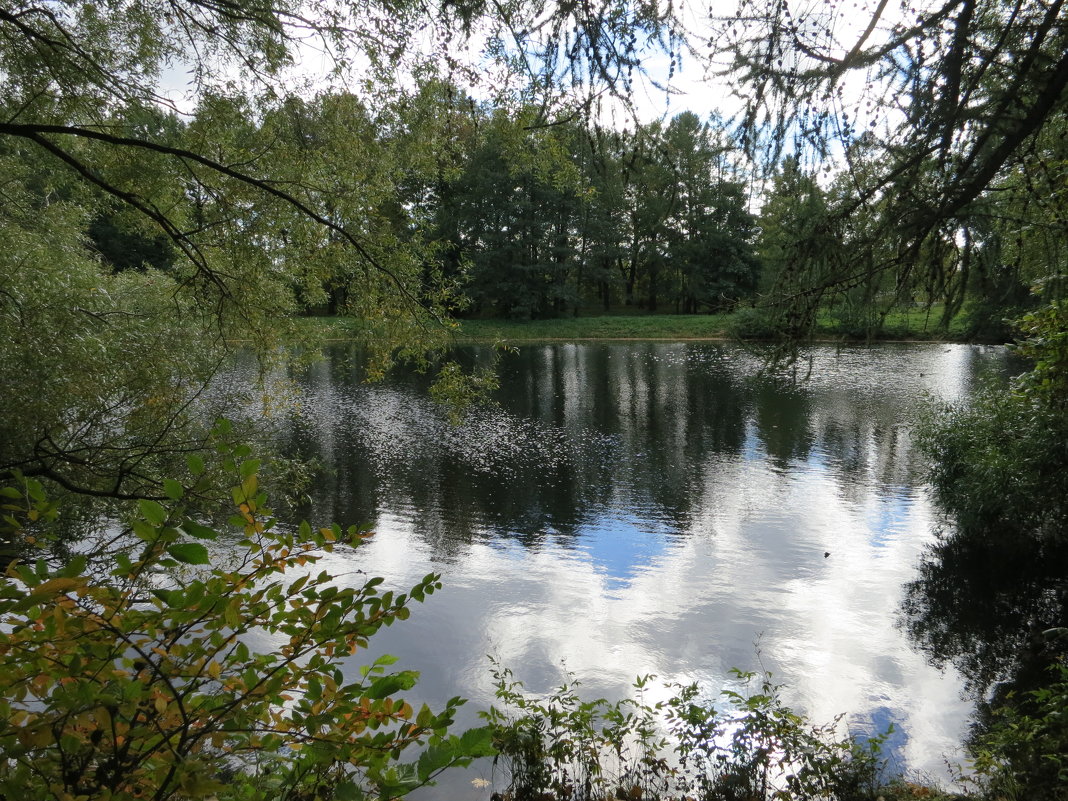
954 100
711 231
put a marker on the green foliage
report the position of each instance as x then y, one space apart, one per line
949 200
135 672
565 747
1000 465
684 748
760 749
541 221
1024 753
99 368
457 391
1045 341
754 323
990 597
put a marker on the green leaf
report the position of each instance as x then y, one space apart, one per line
249 467
36 491
348 791
191 553
125 565
195 463
478 742
144 530
170 597
194 529
74 568
153 512
172 489
387 685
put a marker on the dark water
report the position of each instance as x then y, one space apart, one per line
642 508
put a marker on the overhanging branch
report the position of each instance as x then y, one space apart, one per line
39 133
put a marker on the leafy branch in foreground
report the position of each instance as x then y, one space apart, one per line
142 680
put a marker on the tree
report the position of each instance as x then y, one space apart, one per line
957 99
711 231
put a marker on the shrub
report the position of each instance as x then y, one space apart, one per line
1024 753
753 323
133 674
683 748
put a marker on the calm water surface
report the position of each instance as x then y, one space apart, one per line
651 508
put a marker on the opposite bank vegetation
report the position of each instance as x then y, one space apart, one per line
920 323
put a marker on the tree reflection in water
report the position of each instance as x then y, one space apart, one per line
987 606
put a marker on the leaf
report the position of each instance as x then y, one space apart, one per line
478 742
194 529
348 791
56 586
195 463
74 568
36 491
190 553
172 489
387 685
153 512
170 597
249 467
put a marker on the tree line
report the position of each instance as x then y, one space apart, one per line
490 212
514 218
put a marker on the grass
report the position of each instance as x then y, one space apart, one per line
919 322
906 324
650 326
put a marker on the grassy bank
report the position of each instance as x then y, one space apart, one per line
914 324
652 326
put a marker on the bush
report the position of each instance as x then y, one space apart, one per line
132 674
1024 754
752 323
684 748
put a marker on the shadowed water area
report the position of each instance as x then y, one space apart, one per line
651 508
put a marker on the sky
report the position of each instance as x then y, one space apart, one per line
695 84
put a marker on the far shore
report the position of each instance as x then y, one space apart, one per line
914 326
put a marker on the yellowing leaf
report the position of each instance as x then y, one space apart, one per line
56 586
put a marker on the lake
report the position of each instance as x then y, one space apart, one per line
652 508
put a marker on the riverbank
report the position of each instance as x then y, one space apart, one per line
919 324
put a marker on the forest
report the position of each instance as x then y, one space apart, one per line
178 185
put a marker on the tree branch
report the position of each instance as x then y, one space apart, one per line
38 132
